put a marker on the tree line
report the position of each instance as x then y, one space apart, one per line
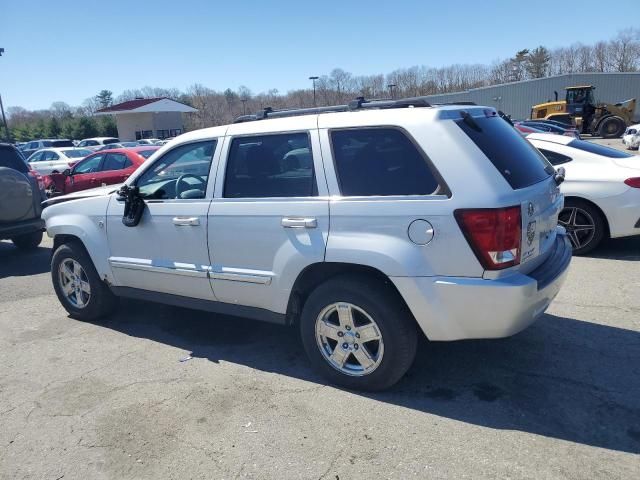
619 54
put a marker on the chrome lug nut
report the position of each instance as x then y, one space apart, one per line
341 334
345 345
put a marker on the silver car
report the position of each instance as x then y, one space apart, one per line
364 225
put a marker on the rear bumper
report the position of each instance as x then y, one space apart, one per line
22 228
456 308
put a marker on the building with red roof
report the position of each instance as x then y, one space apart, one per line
148 118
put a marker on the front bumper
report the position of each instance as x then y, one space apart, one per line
457 308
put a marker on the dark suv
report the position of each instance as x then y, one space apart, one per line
21 194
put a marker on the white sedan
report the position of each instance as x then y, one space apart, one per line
601 188
49 160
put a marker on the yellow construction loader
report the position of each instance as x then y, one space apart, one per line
607 120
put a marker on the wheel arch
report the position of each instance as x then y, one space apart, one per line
317 273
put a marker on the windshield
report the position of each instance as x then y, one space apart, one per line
515 158
77 153
598 149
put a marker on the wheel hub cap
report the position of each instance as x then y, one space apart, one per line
74 283
349 339
580 226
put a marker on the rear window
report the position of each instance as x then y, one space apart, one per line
598 149
10 158
61 143
515 158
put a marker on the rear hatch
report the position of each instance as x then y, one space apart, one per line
530 176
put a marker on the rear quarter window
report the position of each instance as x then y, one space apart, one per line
380 162
515 158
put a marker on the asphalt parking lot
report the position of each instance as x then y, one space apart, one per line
114 399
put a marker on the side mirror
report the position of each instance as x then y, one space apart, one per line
66 172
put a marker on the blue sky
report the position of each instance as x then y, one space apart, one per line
68 50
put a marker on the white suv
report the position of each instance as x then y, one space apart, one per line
363 226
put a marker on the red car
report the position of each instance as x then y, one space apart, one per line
101 168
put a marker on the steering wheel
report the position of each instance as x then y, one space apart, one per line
180 182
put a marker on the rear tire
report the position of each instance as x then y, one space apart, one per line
585 225
612 127
29 241
76 282
377 312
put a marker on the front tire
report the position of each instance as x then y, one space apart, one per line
612 127
585 225
358 333
30 241
76 282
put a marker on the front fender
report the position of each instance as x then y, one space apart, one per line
84 219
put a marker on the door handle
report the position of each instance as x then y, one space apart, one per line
298 222
186 221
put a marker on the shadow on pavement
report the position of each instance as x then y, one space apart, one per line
561 378
19 263
618 249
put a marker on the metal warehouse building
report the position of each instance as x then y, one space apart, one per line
516 99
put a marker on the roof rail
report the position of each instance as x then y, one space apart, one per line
360 103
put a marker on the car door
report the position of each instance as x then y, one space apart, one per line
167 251
270 215
111 170
83 174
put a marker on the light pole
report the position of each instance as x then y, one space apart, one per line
313 79
391 86
4 119
244 106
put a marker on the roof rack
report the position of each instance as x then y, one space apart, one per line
360 103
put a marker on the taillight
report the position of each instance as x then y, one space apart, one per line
494 234
633 182
37 177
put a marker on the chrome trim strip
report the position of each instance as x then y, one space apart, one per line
240 277
188 272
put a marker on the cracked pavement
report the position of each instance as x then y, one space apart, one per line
114 400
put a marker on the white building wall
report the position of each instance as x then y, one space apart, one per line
129 123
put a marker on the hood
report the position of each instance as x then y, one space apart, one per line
93 192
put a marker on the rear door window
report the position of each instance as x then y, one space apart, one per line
9 158
266 166
380 162
115 161
515 158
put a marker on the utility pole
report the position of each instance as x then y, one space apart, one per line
4 119
313 79
244 105
391 86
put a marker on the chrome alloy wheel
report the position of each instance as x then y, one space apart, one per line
349 339
580 226
74 283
